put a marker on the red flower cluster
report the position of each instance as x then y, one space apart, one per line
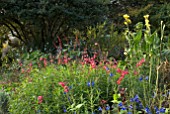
66 60
44 61
88 60
122 75
140 62
63 84
40 99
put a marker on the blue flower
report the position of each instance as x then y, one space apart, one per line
132 100
136 99
111 74
148 110
141 78
130 106
107 68
88 84
64 110
100 108
70 87
156 110
120 104
123 108
92 84
162 110
140 105
147 78
107 107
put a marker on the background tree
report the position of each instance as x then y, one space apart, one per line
39 22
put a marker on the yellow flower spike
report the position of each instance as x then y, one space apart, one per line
125 23
126 16
127 20
146 17
147 22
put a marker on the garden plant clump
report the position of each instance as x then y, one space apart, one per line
78 82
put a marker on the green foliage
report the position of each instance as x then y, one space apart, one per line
38 23
46 87
44 82
161 13
3 103
105 40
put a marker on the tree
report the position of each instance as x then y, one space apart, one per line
39 22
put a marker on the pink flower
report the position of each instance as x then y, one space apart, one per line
41 58
22 70
66 89
40 99
135 72
30 64
45 62
106 68
114 66
66 60
62 84
93 64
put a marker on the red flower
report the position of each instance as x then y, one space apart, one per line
123 73
93 64
62 84
121 78
114 66
30 64
118 82
135 72
40 99
66 89
22 70
45 62
41 58
103 102
140 62
119 70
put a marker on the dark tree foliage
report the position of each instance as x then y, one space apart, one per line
38 22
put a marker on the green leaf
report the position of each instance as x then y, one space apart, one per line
116 96
138 37
79 106
115 101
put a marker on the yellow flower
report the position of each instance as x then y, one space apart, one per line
5 45
127 20
146 17
147 22
125 23
126 16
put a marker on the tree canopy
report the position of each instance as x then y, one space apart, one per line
36 22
